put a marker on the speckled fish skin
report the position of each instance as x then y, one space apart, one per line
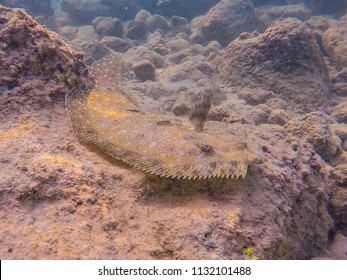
159 144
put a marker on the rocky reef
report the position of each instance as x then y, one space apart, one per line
36 66
279 90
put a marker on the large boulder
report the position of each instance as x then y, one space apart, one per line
335 42
107 26
316 129
284 59
228 19
36 66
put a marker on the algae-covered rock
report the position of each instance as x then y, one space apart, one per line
228 19
115 43
335 43
284 59
135 30
107 26
339 113
315 128
157 22
36 65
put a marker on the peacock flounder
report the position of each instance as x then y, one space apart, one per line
159 144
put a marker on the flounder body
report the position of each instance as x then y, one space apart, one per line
159 144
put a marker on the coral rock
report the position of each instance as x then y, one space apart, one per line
144 70
335 43
116 44
315 128
339 113
33 58
135 30
157 22
107 26
228 19
285 59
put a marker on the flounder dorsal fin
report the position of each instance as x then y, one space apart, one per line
199 112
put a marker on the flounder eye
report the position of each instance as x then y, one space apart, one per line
206 149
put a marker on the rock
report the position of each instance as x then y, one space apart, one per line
277 103
63 19
180 25
157 22
335 43
340 77
338 249
198 49
339 113
340 129
228 19
319 24
177 57
135 30
69 32
315 128
178 21
254 96
285 59
197 22
37 68
193 69
107 26
197 38
92 48
339 197
339 174
278 116
161 49
115 43
184 8
144 70
178 44
299 11
340 88
136 54
142 15
213 46
155 39
258 114
186 100
87 33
